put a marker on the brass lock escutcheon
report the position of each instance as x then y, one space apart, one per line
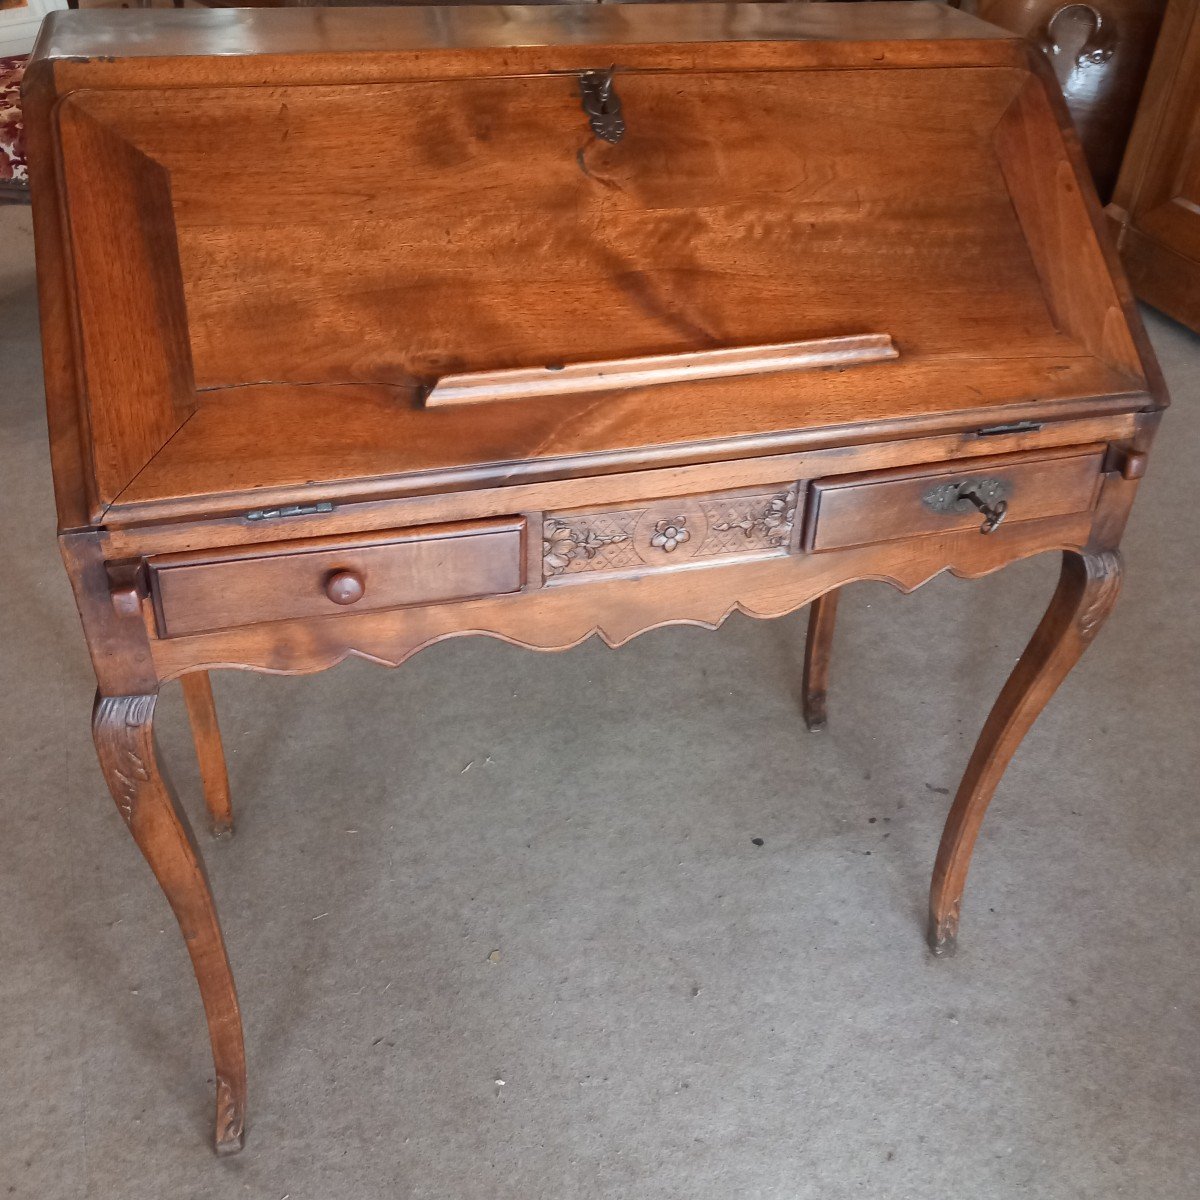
602 104
985 495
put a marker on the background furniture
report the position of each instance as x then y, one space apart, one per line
19 22
875 326
1100 52
1156 206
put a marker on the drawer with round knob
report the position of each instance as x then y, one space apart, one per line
984 494
198 593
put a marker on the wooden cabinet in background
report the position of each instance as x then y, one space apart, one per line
1100 52
1156 206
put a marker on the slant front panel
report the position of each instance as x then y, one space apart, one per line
395 233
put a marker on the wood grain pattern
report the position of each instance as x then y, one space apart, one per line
618 607
132 327
123 731
388 503
210 754
1086 593
1051 201
483 386
852 510
216 590
246 475
818 652
683 236
281 442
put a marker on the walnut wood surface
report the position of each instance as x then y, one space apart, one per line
123 730
852 510
662 243
1086 593
617 607
210 754
1156 204
195 593
818 652
244 470
608 375
219 520
361 439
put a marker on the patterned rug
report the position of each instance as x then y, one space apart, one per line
14 171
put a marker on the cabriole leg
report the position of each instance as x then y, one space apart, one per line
817 649
123 729
1087 590
206 733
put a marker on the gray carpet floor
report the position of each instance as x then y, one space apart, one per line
671 1011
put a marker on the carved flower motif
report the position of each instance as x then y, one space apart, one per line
558 546
669 534
773 524
562 544
777 520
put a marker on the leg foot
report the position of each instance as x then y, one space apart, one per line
231 1118
942 934
206 733
817 649
123 729
1087 590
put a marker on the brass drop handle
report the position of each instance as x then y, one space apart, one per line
1099 46
345 587
986 495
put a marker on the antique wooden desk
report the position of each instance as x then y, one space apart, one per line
297 414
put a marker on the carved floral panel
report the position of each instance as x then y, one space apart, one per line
669 533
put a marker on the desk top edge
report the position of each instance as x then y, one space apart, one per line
104 35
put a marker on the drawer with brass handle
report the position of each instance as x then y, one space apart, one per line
199 592
984 494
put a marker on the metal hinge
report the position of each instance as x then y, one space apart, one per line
1015 427
289 510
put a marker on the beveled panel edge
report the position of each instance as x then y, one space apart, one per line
833 439
362 514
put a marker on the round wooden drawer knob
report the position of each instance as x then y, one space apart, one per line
345 587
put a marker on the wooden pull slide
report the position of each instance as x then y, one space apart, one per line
615 373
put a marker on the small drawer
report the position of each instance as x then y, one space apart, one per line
883 506
197 593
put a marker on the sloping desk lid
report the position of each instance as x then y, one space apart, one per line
320 215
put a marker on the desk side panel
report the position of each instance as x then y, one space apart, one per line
74 491
1056 203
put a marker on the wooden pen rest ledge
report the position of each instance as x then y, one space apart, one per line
614 374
